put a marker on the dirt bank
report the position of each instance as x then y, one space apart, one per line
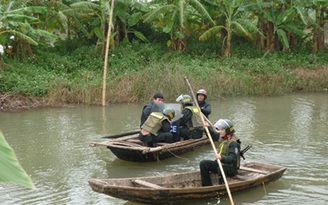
14 102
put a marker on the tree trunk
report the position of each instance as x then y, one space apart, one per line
318 42
259 41
270 38
118 34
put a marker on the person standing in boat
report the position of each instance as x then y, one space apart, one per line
157 127
203 105
190 125
156 105
228 153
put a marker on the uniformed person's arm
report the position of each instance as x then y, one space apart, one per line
206 109
186 116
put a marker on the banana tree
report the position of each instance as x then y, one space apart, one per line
316 16
18 28
174 17
128 14
234 21
279 21
93 15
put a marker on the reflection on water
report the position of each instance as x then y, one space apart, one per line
52 146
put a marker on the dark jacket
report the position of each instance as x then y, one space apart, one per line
147 109
186 127
205 108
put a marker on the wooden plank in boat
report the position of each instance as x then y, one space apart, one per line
254 170
110 141
146 184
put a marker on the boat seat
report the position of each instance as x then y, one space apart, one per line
146 184
253 170
240 177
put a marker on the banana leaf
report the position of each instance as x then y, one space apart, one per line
10 169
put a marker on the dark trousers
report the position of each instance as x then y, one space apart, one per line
150 139
208 166
166 137
147 139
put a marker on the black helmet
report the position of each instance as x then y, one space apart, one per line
225 124
169 112
184 100
202 92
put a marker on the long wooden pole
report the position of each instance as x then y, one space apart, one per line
106 53
211 140
122 134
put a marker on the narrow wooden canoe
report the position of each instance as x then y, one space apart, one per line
130 148
176 188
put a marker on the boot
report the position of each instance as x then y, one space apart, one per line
221 181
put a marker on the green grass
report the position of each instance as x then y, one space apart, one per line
73 74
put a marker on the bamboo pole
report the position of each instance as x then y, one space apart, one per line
106 53
212 143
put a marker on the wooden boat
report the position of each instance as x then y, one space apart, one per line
176 188
130 148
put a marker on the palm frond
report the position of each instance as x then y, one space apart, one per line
140 6
241 30
85 6
283 37
210 32
134 18
44 33
294 29
140 36
20 18
202 11
22 36
301 13
283 17
256 6
159 12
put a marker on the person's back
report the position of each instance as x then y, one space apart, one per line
157 128
190 123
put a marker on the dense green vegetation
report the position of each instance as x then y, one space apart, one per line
137 70
55 49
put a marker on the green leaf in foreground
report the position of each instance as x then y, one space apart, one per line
10 169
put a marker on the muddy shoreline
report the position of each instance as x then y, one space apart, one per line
18 102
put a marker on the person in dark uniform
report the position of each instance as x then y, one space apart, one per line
156 105
190 124
157 127
228 153
203 105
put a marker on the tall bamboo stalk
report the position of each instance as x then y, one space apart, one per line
106 53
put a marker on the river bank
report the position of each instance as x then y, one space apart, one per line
57 78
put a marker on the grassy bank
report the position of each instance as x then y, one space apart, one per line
73 74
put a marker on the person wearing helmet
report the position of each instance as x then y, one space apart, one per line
156 105
228 153
190 124
157 127
203 105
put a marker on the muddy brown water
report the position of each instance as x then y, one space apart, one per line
52 145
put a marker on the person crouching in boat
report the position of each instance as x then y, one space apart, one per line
156 105
228 153
190 123
157 127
